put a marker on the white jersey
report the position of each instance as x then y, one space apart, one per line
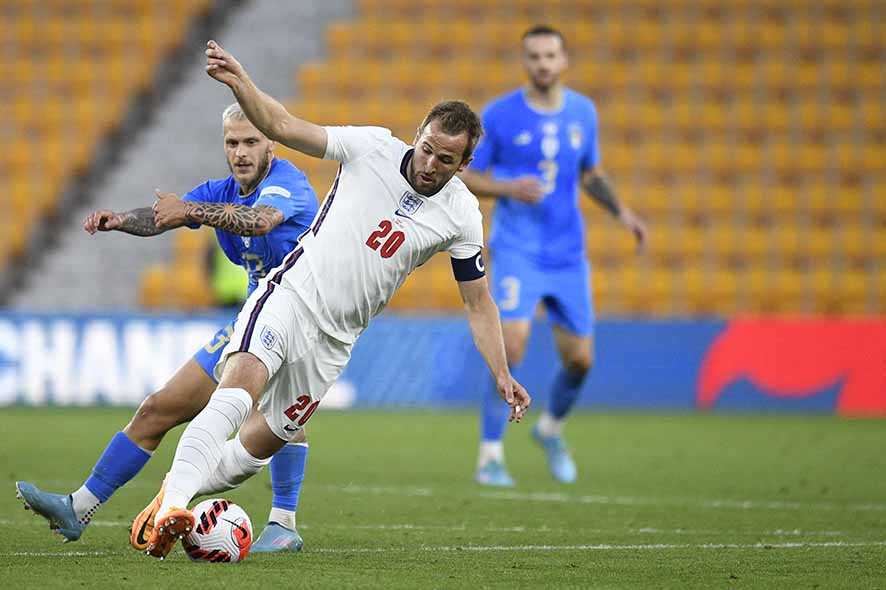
373 229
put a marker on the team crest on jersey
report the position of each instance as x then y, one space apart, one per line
575 136
409 204
523 138
246 241
268 337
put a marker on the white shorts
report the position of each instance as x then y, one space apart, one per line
302 361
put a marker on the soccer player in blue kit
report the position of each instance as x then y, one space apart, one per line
258 213
540 145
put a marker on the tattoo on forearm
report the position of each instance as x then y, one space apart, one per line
139 222
601 191
237 219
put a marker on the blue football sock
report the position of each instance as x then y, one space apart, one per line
120 462
564 393
287 473
494 413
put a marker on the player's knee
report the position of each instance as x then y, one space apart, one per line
578 365
153 417
515 349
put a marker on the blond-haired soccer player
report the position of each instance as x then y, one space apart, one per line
258 213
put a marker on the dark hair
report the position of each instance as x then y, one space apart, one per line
540 30
456 117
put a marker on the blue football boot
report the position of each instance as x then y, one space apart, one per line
56 508
276 538
559 460
494 473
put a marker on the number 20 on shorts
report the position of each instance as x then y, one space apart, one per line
300 412
391 244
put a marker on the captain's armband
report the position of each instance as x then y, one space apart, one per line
468 269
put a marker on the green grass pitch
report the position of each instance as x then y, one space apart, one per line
694 501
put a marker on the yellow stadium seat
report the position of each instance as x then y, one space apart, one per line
189 246
154 289
188 282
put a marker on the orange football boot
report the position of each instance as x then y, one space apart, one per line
168 529
143 525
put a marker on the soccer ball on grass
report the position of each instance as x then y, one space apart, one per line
223 532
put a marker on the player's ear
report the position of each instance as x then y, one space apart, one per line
417 135
464 164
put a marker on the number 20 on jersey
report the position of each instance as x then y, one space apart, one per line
384 240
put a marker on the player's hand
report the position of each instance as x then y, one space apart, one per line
632 221
515 395
101 220
222 66
169 210
526 189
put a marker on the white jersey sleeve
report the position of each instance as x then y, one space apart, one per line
470 240
346 144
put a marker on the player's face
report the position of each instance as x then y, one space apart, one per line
248 152
544 60
438 157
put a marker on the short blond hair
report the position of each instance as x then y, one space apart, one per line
233 111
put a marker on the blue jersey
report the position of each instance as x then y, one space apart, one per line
285 188
556 147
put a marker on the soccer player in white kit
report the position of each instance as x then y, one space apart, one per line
391 207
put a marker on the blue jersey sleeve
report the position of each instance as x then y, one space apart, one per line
289 192
592 147
484 155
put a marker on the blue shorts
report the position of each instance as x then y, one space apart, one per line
207 357
520 283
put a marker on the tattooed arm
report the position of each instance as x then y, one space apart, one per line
170 212
597 185
237 219
138 222
242 220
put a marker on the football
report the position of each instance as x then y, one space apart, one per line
223 533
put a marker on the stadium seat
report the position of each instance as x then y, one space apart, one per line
69 70
749 134
154 289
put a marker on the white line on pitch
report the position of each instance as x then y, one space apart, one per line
54 554
509 529
520 548
546 529
617 500
634 501
601 547
98 523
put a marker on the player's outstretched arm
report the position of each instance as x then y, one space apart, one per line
170 211
137 222
269 116
486 330
598 186
526 188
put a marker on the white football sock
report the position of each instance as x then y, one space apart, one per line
85 504
550 426
490 450
283 517
235 467
200 449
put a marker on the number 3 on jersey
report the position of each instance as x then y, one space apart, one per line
391 244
